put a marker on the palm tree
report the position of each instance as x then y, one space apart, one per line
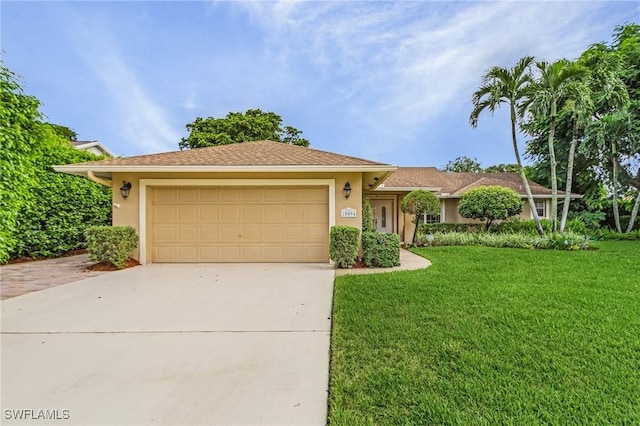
553 85
603 138
581 109
507 86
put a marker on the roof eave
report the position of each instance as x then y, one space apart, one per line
83 169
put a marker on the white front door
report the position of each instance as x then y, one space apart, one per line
383 215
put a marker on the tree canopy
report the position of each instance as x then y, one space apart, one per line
490 203
420 202
42 212
463 164
237 127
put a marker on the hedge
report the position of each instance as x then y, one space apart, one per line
381 249
344 245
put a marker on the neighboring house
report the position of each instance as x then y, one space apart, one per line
449 187
262 201
94 147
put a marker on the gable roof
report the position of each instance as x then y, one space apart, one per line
450 184
96 145
258 156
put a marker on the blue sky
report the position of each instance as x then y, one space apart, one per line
386 81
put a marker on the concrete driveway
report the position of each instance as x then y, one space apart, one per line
198 344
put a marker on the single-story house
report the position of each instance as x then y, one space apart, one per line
266 201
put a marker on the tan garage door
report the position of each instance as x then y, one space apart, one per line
239 224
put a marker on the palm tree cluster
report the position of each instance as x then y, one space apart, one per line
587 108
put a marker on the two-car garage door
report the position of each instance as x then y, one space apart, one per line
239 224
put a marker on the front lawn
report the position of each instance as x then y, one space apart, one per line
491 336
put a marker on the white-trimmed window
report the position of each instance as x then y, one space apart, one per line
541 208
428 218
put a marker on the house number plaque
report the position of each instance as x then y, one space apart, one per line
348 212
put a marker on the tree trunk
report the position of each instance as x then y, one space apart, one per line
616 212
525 182
634 214
567 190
554 173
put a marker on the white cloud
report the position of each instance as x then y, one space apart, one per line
401 65
140 121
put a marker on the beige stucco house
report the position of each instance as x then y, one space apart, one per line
265 201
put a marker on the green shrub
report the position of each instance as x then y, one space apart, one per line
516 225
606 234
381 249
490 203
552 241
430 228
367 216
419 202
112 244
344 245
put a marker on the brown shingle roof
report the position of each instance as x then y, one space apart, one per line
258 153
456 184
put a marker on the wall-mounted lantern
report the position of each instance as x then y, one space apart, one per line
346 191
124 189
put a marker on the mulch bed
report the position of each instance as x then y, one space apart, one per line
106 266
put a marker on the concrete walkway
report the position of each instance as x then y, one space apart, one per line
199 344
408 262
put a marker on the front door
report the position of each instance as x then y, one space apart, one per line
383 215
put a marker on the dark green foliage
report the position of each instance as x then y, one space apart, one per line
367 216
65 205
420 202
463 164
19 130
42 213
490 203
112 244
381 249
344 245
238 127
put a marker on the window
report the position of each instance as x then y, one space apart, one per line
384 217
541 208
427 218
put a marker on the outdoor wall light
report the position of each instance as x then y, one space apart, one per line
346 191
124 189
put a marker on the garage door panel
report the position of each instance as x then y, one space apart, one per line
251 214
209 254
272 214
239 224
188 195
188 234
230 234
164 194
294 213
187 214
209 195
208 214
167 214
162 233
208 233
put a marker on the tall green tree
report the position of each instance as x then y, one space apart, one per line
553 86
508 86
463 164
238 127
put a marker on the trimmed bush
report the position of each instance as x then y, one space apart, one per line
112 244
419 202
381 249
344 245
367 216
553 241
490 203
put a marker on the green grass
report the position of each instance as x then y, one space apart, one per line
491 336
